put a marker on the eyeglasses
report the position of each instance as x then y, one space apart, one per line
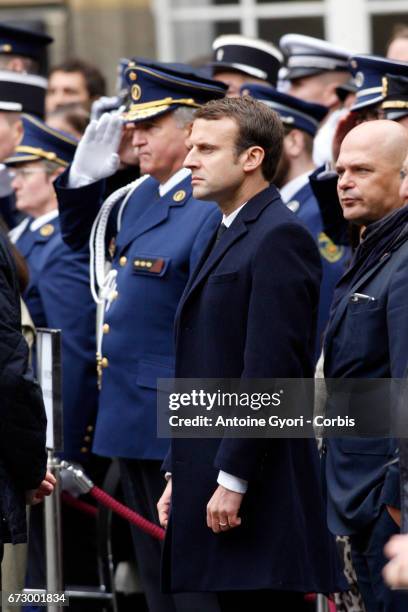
24 172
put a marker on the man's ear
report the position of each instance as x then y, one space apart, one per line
330 98
253 159
294 143
56 174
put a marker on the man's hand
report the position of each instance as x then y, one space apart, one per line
163 505
396 571
222 510
36 496
97 156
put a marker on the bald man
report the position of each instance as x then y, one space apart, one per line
367 338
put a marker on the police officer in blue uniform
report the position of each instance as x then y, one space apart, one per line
58 292
19 93
22 49
301 121
22 60
238 59
314 70
395 102
155 231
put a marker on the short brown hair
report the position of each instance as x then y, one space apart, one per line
258 125
94 79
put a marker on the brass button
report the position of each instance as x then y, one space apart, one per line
104 362
90 428
149 264
113 295
84 449
123 261
87 439
106 328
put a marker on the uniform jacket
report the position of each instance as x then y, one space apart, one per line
366 338
249 311
159 242
334 258
58 297
22 422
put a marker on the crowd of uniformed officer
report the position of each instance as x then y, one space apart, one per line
108 259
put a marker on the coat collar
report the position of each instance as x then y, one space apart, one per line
156 209
250 212
41 235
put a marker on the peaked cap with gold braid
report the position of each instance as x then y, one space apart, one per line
41 142
157 88
395 91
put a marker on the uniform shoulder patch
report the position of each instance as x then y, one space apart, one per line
328 249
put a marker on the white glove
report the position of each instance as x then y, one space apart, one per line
105 104
97 156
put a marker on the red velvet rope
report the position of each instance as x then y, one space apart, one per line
106 500
133 517
78 504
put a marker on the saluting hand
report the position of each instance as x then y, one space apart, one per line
97 156
222 510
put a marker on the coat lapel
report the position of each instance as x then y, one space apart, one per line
234 233
155 209
28 238
237 229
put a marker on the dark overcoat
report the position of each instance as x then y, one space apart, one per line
249 311
367 338
22 414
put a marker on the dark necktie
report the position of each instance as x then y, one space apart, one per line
223 228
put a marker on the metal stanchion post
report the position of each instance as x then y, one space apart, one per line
53 535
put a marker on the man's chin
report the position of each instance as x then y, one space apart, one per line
354 218
200 193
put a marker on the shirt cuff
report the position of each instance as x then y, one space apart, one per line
167 476
232 483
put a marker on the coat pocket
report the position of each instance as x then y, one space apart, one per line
223 278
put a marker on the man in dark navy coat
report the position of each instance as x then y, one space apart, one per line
247 516
366 338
